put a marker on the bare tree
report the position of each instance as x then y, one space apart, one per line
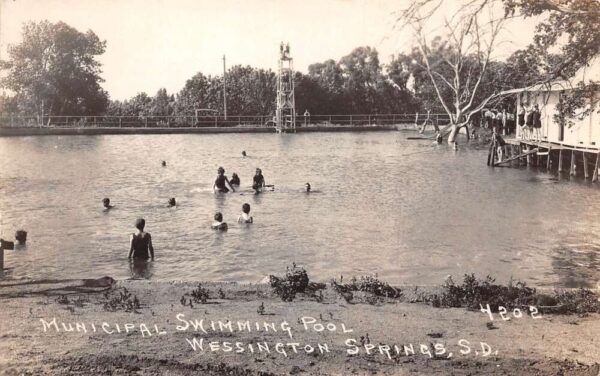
458 65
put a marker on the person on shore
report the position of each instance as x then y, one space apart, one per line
258 182
221 182
218 224
245 217
172 202
235 179
140 246
106 204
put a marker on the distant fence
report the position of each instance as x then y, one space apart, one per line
7 121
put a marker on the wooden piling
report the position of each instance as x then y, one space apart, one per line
1 261
560 169
548 158
595 174
585 166
573 165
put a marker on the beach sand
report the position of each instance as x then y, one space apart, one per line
31 343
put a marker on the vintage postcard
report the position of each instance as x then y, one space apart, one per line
319 187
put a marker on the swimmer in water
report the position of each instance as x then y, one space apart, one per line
221 182
106 204
258 182
244 154
245 216
235 179
307 187
439 138
164 163
172 202
141 242
218 224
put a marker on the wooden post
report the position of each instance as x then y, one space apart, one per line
585 166
560 169
1 261
120 123
548 158
146 122
573 165
595 174
350 119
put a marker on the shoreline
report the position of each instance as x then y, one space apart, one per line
97 330
50 131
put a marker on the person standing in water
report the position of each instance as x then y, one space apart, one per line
219 224
245 217
221 182
141 242
235 179
258 182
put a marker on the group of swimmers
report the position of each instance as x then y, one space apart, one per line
221 182
140 245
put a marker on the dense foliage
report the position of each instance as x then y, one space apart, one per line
54 70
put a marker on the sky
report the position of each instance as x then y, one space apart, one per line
153 44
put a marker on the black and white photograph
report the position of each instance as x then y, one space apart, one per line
316 187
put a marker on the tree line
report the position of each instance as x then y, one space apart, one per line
55 71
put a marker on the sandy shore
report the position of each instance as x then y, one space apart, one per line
231 337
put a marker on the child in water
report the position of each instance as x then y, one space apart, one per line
235 179
218 224
140 246
258 182
221 182
245 216
106 204
172 202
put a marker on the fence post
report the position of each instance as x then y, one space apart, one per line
146 122
12 120
120 121
350 119
369 120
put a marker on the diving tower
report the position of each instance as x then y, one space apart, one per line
285 115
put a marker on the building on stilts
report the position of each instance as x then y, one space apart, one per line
552 142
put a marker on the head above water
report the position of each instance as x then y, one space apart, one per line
244 153
258 171
246 208
164 163
140 223
106 202
218 217
234 175
307 187
172 201
21 236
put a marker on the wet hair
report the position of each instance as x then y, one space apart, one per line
21 236
172 201
258 170
220 169
234 175
219 217
246 208
164 163
106 201
140 223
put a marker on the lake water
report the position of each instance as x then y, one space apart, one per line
407 210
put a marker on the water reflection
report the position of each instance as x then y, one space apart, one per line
141 269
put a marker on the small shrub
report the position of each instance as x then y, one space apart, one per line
200 294
295 281
122 302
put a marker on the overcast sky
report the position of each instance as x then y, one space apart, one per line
159 43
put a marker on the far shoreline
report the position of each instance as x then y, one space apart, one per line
59 131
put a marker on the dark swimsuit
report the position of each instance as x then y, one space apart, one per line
140 246
537 121
521 119
220 184
258 181
235 181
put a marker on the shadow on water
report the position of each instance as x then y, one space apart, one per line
576 266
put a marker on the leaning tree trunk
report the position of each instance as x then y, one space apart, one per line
453 132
